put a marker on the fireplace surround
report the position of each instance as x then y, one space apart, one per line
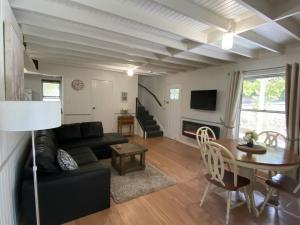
189 128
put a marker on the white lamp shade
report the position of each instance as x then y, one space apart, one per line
29 115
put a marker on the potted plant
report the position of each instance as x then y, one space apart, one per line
250 138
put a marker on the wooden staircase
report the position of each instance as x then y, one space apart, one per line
147 122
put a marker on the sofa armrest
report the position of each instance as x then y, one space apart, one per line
68 195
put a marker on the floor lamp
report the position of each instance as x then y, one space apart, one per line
30 116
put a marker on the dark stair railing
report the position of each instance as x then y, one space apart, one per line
151 93
138 105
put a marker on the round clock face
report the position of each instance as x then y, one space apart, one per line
77 85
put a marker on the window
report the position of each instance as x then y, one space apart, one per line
174 94
51 90
263 104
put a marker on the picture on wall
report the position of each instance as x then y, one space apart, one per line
124 96
14 64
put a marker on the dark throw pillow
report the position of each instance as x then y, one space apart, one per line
91 129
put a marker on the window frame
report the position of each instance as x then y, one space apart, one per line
250 76
177 95
51 97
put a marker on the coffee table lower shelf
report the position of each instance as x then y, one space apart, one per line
127 165
124 157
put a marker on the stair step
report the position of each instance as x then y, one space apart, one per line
152 127
148 122
158 133
142 113
147 117
141 109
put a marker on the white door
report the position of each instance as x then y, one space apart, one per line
172 102
102 94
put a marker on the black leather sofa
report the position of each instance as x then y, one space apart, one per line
68 195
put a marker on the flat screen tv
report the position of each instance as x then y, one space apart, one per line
204 99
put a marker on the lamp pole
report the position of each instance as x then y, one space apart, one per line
34 168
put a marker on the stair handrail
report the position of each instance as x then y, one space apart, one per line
138 103
151 93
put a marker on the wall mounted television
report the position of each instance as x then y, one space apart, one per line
204 99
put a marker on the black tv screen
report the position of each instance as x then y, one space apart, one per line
204 99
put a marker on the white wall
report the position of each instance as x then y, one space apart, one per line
208 78
80 102
12 144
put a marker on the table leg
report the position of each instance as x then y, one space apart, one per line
121 171
113 159
133 129
250 174
142 162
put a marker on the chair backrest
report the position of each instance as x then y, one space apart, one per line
217 156
204 135
272 138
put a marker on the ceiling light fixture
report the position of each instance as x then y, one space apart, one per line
130 72
227 41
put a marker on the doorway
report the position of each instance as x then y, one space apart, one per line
173 102
102 93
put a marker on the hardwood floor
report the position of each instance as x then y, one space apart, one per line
179 204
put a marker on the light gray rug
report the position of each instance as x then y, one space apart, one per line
138 183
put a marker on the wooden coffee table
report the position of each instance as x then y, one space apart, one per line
124 157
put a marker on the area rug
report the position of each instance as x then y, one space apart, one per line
138 183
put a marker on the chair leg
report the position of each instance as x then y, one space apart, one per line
267 198
237 195
285 208
247 197
205 193
228 206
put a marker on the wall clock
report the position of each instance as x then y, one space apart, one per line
77 85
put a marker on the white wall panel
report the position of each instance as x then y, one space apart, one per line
12 145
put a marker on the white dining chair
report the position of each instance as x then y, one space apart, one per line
283 183
204 135
218 176
272 138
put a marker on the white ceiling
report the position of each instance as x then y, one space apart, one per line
154 36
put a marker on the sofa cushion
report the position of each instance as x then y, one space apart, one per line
91 129
83 155
47 140
65 161
107 139
114 138
49 133
68 132
46 159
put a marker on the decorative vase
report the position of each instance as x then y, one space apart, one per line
250 144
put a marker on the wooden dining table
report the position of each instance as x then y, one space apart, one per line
275 159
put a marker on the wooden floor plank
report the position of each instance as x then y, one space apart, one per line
178 204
